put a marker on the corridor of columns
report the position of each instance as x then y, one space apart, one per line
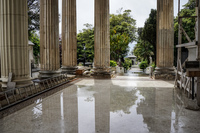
54 102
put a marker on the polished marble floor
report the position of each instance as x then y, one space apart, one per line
126 104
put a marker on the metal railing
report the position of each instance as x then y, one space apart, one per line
14 96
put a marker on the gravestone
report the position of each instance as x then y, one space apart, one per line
10 85
150 58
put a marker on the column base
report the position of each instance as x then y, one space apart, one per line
164 73
102 73
19 82
69 70
48 74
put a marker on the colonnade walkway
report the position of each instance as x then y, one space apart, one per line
125 104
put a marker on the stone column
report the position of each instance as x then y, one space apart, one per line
49 39
0 57
14 42
165 39
69 40
102 37
198 58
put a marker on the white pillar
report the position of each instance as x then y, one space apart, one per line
165 38
102 37
197 39
49 39
14 41
69 40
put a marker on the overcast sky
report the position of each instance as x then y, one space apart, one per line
140 10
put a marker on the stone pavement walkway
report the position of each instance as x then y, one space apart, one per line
126 104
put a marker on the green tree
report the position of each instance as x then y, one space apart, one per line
122 32
119 45
85 43
188 25
146 44
33 16
34 25
149 32
36 48
143 50
127 63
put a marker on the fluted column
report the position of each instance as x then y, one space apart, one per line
49 38
14 41
102 37
165 37
69 40
197 39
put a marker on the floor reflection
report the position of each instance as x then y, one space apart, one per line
86 103
104 107
37 110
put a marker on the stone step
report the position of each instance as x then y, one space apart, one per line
70 76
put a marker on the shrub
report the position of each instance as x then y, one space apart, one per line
127 63
113 63
153 65
36 48
143 65
80 64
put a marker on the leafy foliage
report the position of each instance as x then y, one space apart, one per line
122 32
85 43
143 65
127 63
123 23
188 25
149 32
119 45
33 15
143 50
153 65
34 25
36 48
113 63
146 44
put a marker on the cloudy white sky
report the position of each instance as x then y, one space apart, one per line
140 10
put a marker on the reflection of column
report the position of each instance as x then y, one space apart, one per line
102 37
69 41
37 114
71 109
163 110
165 38
61 109
102 109
14 41
51 114
49 38
147 108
